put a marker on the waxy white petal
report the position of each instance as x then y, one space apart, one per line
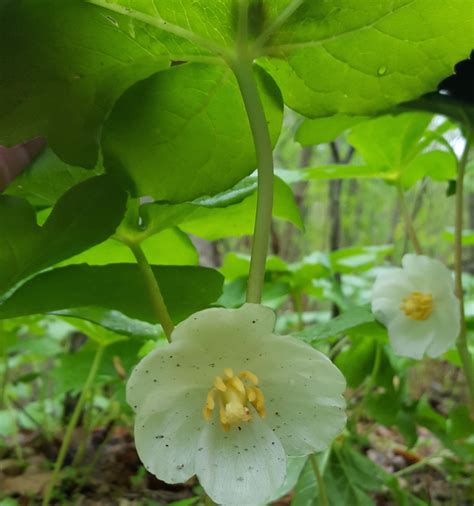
167 437
240 467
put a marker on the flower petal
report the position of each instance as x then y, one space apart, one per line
303 393
167 437
224 338
386 309
240 467
411 338
428 274
287 359
166 373
216 326
446 324
389 290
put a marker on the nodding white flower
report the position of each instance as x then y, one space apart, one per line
418 306
228 400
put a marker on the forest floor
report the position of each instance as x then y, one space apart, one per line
110 473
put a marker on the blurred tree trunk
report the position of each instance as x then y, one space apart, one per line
289 250
334 212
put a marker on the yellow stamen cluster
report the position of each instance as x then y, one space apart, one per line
235 394
418 306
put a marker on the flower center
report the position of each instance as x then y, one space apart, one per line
235 394
417 306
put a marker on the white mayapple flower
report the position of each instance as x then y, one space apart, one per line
228 400
418 306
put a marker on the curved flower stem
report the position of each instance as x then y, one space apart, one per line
243 71
317 473
72 424
154 292
410 229
462 345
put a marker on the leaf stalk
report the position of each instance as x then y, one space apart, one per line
462 344
243 70
153 288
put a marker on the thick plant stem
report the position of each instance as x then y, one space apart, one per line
462 345
322 488
72 425
409 222
154 292
243 71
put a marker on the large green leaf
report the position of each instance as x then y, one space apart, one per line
84 216
184 133
47 178
64 64
109 319
168 247
359 259
400 149
198 20
352 57
118 287
339 325
228 214
238 219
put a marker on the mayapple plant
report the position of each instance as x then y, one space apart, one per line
176 100
228 400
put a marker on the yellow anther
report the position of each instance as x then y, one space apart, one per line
210 403
251 395
235 395
417 306
219 384
250 376
207 413
236 382
259 403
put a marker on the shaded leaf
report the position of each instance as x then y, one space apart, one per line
117 287
44 181
84 216
61 80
